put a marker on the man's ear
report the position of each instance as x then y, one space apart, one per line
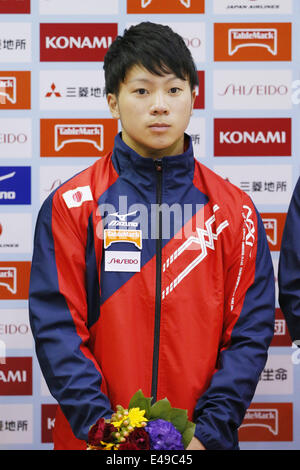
194 96
113 105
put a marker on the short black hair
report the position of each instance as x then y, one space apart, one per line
155 47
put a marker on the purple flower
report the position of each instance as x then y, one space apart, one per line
163 435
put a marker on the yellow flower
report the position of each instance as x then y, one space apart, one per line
136 417
117 424
108 446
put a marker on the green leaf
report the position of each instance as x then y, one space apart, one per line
188 433
140 401
178 418
160 409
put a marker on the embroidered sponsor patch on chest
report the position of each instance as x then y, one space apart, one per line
130 236
123 261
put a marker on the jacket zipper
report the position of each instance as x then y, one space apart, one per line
158 166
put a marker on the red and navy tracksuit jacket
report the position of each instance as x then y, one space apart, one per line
154 276
289 267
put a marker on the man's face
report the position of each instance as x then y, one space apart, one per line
154 112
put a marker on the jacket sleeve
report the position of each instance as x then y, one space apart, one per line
289 267
58 318
248 328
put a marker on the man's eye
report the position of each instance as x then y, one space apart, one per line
174 90
141 91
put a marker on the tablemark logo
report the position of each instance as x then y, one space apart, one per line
15 90
267 422
252 41
67 41
77 137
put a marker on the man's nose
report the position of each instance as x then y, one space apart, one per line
159 104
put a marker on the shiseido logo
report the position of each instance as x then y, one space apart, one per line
123 261
10 138
255 89
67 41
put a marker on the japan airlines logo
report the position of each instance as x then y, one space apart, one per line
205 238
186 3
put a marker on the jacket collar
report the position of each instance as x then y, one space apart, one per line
127 161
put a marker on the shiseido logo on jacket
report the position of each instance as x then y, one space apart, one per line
252 41
252 137
68 41
15 6
16 376
123 261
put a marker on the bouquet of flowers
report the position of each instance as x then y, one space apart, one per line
142 427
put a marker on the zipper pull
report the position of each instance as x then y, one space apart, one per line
158 165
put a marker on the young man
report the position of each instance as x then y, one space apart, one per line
289 268
149 271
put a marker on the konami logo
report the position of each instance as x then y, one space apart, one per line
15 6
267 422
252 137
77 137
48 421
252 41
16 376
167 6
68 41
